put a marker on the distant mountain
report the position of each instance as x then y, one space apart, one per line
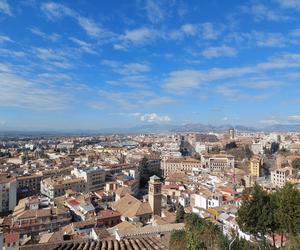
283 128
205 128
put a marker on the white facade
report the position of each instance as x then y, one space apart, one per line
8 193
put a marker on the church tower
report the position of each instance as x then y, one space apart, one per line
154 195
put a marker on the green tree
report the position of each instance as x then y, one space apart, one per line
288 211
296 163
146 171
179 213
257 214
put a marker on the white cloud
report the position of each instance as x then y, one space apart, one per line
53 37
189 29
270 121
294 4
221 51
5 8
209 31
184 80
294 118
4 39
127 68
155 118
55 11
18 91
261 12
155 12
295 32
138 36
84 46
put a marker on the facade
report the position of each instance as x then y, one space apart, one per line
39 220
8 193
32 182
257 148
207 200
108 218
94 177
179 164
56 186
281 176
155 195
255 166
217 163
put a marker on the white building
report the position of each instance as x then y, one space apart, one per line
8 193
257 148
281 176
94 177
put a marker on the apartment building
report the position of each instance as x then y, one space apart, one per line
255 166
93 176
8 193
184 164
34 221
56 186
217 163
281 176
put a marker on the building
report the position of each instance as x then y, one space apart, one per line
231 133
257 148
217 163
154 195
281 176
31 183
94 177
56 186
108 218
184 164
255 166
39 220
8 193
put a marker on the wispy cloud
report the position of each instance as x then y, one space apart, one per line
5 8
294 4
184 80
18 91
56 11
52 37
155 118
221 51
261 12
4 39
84 46
154 11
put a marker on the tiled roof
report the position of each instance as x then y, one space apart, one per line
126 244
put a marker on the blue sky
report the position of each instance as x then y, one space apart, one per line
99 64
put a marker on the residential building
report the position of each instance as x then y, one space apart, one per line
216 163
185 164
281 176
93 176
56 186
8 193
255 166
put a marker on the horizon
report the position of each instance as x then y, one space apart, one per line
98 65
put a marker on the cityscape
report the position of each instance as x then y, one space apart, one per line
149 124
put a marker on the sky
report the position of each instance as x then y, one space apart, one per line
111 64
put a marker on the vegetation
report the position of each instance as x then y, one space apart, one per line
202 234
296 163
179 213
264 214
146 171
240 153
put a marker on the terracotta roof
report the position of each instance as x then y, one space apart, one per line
147 243
12 237
104 214
129 206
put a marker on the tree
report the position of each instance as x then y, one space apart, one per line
179 213
257 214
288 211
146 171
296 163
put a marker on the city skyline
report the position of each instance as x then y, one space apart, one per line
92 65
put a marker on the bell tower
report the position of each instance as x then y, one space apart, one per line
154 195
